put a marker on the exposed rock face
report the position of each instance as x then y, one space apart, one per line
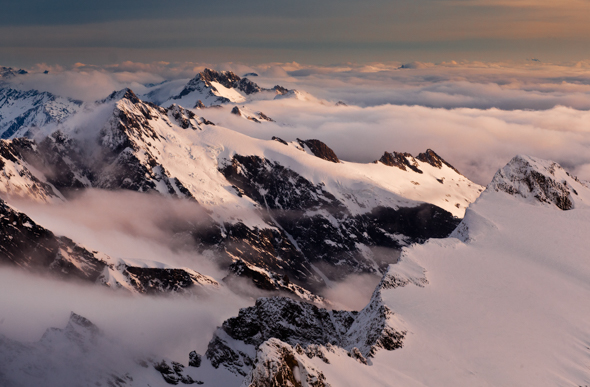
296 322
321 226
248 87
278 364
287 328
404 160
194 359
290 321
173 373
274 138
219 353
185 118
226 78
433 159
319 149
26 245
268 280
149 280
545 181
264 117
400 160
236 111
280 90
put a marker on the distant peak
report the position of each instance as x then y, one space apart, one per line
9 72
430 157
125 93
400 160
226 78
544 180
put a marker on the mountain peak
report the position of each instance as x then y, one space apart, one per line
125 93
435 160
9 72
544 180
225 78
400 160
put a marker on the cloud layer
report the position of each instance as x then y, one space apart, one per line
477 115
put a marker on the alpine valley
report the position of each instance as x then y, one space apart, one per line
166 248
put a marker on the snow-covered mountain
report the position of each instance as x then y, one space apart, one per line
503 301
23 112
9 72
210 88
289 217
270 208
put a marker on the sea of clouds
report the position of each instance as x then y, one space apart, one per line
476 115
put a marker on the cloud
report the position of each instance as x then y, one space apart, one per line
475 114
142 325
354 293
136 227
477 142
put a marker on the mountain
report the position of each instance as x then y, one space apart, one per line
9 72
288 216
503 300
23 112
29 246
210 88
500 302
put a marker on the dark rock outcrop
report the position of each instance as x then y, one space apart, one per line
400 160
194 359
297 328
274 138
319 149
173 373
435 160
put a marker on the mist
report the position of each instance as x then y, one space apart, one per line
476 142
142 325
475 115
354 293
137 227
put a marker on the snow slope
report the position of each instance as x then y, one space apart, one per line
24 111
506 303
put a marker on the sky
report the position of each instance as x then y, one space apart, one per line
308 31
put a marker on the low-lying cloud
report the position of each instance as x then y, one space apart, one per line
136 227
476 115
